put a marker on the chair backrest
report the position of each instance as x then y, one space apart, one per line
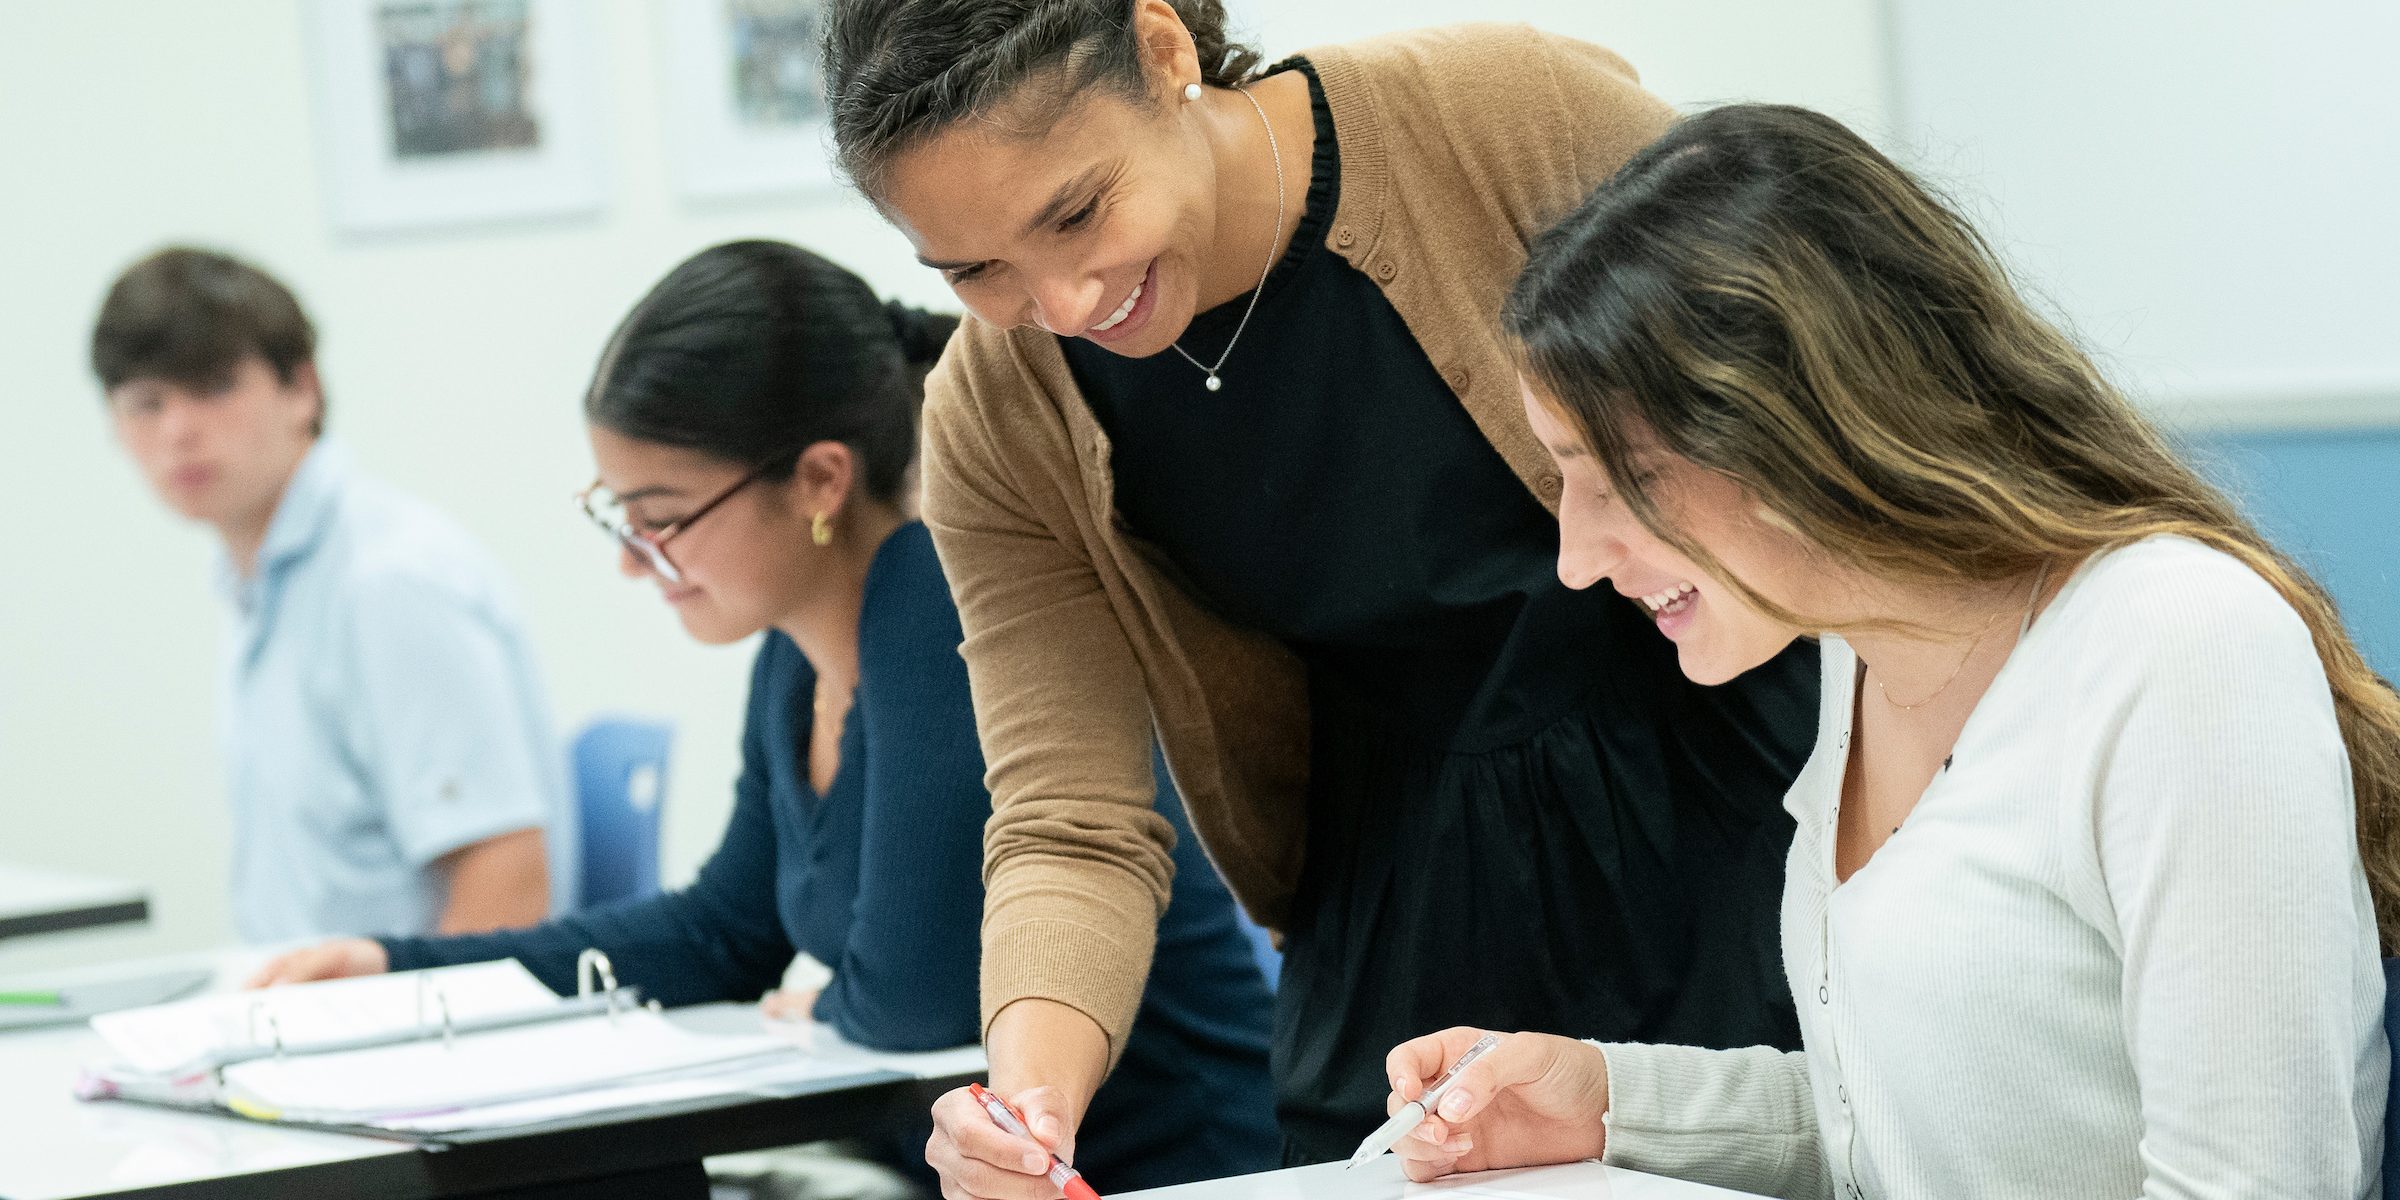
620 786
1262 947
2391 1111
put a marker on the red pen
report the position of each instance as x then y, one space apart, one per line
1007 1117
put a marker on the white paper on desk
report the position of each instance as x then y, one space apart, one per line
524 1063
185 1036
1564 1181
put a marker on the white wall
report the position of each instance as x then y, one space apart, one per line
2204 190
1827 54
455 363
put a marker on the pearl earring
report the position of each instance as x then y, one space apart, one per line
1191 92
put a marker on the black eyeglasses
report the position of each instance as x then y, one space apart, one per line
608 512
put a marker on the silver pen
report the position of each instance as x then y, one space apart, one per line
1413 1113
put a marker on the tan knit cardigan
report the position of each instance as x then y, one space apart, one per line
1458 146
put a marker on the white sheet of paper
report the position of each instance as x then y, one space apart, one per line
1382 1180
1565 1181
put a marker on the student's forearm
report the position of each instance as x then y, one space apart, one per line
1037 1043
500 882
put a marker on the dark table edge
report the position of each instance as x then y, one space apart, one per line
121 913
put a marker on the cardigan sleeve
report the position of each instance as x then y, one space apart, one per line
1740 1119
1076 861
903 978
718 939
2221 821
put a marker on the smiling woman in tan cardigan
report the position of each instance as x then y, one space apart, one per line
1230 454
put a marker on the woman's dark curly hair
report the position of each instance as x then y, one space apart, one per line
898 72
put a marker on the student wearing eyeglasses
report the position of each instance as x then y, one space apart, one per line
389 754
754 421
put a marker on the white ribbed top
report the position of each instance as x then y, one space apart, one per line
2122 947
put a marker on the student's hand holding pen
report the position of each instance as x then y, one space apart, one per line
1530 1100
339 958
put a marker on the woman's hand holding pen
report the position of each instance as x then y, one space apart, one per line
978 1160
1533 1099
1047 1059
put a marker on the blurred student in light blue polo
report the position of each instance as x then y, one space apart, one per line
391 764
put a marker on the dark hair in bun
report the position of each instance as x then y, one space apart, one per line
755 350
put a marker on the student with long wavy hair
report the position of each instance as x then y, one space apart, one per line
2099 824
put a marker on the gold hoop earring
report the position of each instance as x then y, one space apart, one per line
820 531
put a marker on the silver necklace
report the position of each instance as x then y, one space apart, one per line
1276 150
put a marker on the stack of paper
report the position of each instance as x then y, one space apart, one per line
413 1080
815 1055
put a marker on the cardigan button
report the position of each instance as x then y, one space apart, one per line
1460 377
1386 271
1345 237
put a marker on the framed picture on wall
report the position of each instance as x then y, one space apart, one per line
436 113
744 97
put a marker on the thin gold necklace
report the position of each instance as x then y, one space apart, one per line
2039 578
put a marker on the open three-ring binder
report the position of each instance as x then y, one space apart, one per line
434 1055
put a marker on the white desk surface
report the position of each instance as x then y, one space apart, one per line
53 1146
1382 1180
34 892
59 1146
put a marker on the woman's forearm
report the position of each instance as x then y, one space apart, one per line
1042 1043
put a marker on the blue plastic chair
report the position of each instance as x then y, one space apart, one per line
620 785
2391 1112
1262 947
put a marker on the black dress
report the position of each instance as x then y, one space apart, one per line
1522 816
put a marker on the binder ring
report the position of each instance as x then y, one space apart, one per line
449 1032
258 1009
594 963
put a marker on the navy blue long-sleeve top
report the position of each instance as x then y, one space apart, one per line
880 879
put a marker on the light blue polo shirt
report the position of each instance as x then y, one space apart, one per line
382 709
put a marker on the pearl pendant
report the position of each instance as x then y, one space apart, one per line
1214 383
